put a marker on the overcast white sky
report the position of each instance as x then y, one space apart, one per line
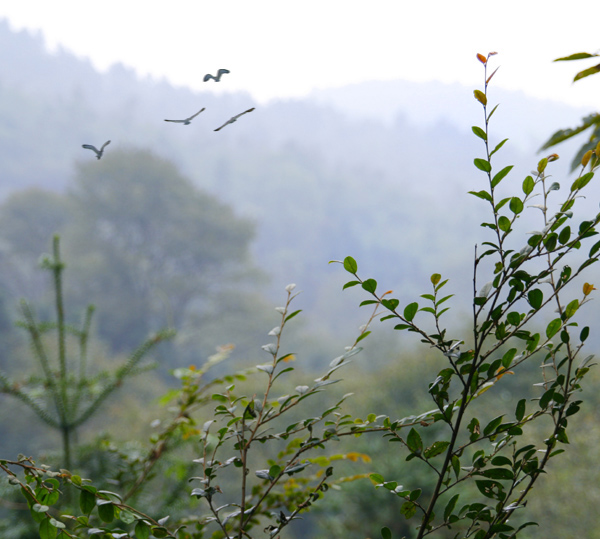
285 48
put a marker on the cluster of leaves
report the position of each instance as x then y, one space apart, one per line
526 278
284 489
272 497
41 489
592 121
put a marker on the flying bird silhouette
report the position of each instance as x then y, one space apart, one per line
187 121
97 151
208 76
231 120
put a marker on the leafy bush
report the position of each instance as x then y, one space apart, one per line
260 461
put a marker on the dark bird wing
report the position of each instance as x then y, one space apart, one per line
90 147
187 120
192 117
217 78
105 145
245 112
227 122
234 118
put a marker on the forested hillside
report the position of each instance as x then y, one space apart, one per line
305 171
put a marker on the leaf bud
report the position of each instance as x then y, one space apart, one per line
586 158
588 288
542 165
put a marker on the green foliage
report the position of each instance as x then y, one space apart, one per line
73 395
146 246
468 462
590 122
296 473
490 454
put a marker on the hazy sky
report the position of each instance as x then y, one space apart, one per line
279 48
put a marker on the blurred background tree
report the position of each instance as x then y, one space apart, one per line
147 247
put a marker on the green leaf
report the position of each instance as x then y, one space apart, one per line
376 478
106 511
508 357
160 532
290 316
435 449
500 144
501 460
536 298
415 494
479 132
386 533
126 516
553 327
414 442
516 205
408 509
390 304
47 530
565 235
584 180
480 96
565 134
576 56
484 195
490 115
572 308
402 326
587 72
370 285
87 502
456 466
492 425
363 336
450 506
350 265
520 411
142 530
584 333
498 473
349 284
482 164
546 398
488 488
501 175
513 318
528 185
504 223
410 311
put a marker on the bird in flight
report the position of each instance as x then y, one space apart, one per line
208 76
97 151
231 120
187 121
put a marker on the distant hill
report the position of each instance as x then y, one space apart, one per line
428 103
377 170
